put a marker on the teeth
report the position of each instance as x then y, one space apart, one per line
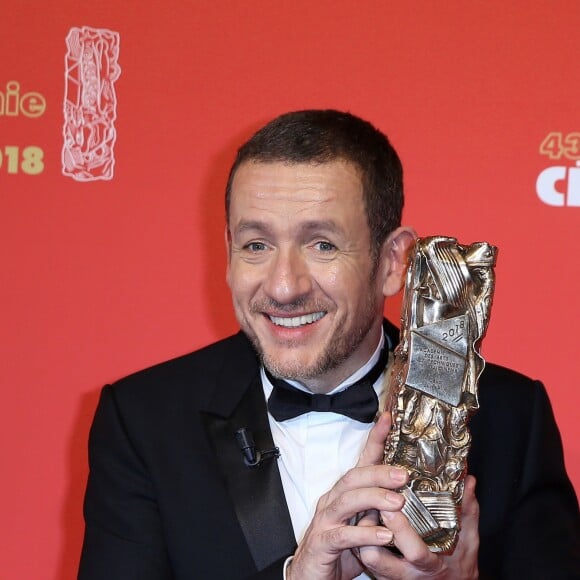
297 320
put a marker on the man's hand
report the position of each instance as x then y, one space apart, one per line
325 551
334 549
417 561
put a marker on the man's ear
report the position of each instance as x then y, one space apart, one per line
394 253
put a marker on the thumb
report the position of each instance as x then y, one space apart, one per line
374 450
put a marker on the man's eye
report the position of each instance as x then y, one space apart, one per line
325 246
255 246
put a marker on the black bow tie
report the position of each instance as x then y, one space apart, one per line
359 401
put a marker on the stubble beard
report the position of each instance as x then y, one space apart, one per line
339 348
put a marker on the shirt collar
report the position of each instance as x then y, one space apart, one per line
378 386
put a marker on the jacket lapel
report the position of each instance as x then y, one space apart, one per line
256 492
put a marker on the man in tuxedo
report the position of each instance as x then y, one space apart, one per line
251 457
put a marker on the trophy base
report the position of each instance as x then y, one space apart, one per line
435 517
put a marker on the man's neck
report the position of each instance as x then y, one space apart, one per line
338 379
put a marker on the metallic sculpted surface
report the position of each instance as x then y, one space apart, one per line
433 385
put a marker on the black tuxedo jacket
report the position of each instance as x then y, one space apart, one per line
169 495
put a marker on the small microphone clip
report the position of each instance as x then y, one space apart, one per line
253 457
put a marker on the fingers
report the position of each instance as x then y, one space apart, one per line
468 540
319 554
418 561
369 480
374 449
464 558
408 541
347 537
338 509
362 489
469 505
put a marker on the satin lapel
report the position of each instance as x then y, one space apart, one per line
256 493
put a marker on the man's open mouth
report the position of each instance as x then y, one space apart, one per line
297 321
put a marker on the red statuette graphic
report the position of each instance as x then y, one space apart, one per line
90 103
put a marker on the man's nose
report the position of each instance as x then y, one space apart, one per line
288 276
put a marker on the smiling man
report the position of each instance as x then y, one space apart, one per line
253 457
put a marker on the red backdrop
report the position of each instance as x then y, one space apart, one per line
103 277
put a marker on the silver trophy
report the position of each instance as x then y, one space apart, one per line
432 389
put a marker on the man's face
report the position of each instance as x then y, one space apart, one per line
301 271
